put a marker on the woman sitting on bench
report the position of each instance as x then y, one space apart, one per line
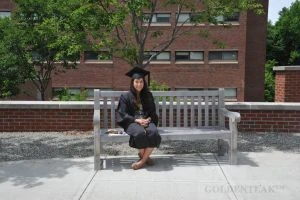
137 115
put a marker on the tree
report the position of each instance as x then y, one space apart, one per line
53 34
131 35
283 45
269 81
284 37
13 62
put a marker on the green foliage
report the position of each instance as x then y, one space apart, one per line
270 81
156 86
283 45
13 63
284 37
66 95
52 34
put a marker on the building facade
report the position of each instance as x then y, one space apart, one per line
192 62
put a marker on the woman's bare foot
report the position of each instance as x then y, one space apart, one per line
137 165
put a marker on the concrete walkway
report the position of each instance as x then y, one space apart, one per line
260 175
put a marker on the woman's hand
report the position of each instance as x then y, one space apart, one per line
143 122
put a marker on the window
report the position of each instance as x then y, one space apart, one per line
230 93
188 17
163 56
97 56
157 18
227 19
184 17
90 91
223 56
189 55
5 14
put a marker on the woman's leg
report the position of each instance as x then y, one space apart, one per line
141 153
147 154
142 162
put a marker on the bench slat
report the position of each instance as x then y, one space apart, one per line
112 112
171 112
199 112
178 111
213 110
221 119
185 115
164 107
192 113
156 99
206 122
105 112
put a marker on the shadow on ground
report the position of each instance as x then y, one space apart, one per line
169 162
33 173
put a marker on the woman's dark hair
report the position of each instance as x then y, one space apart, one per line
144 91
144 94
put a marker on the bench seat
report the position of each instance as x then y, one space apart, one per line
186 134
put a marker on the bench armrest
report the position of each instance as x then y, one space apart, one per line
234 116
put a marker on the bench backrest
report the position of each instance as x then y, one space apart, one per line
174 108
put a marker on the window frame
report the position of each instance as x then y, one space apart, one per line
3 15
189 57
222 60
157 23
228 20
108 61
154 59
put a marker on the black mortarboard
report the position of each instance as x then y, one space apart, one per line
137 72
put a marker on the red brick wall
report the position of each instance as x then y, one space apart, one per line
279 87
269 121
24 120
6 5
287 86
45 119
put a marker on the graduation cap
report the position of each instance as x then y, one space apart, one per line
137 72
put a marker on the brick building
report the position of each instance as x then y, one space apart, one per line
190 63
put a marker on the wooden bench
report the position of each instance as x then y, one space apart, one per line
183 115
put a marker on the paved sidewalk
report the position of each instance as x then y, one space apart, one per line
260 175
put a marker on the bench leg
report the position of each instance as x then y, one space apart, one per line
222 147
233 143
97 161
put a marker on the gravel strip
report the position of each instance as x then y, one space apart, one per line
71 144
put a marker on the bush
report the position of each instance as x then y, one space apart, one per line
66 95
155 86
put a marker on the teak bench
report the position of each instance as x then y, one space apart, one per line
183 115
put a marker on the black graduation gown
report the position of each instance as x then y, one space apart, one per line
140 137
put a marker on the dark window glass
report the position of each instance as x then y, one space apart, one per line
188 55
179 55
223 55
163 18
97 55
163 56
233 18
157 17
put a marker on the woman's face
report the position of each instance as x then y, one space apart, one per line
138 84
